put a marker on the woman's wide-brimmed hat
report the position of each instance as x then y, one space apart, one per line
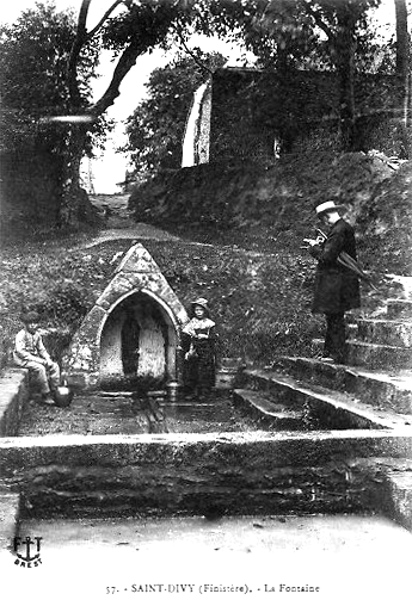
202 302
328 206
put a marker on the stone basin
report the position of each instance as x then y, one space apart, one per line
238 469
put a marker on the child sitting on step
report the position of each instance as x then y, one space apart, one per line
30 352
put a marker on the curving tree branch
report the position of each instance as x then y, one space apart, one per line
318 19
189 52
126 61
106 15
80 39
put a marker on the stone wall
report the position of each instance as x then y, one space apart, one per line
231 473
13 396
252 110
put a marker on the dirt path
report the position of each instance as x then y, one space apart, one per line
119 223
139 231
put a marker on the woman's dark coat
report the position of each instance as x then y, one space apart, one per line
336 286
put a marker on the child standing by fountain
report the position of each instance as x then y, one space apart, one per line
198 343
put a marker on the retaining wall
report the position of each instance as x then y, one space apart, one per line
236 473
209 474
13 396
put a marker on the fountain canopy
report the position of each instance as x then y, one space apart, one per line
132 333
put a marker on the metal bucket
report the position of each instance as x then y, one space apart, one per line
63 396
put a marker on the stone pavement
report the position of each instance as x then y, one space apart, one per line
327 558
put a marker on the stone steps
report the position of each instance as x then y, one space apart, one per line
399 309
384 332
379 389
262 408
330 409
374 356
377 356
372 392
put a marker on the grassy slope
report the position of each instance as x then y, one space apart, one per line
258 280
270 206
260 301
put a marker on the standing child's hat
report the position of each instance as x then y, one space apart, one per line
201 302
327 207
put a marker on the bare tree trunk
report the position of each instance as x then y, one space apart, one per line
403 73
343 43
345 53
75 207
402 37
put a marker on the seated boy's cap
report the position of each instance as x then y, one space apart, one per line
30 317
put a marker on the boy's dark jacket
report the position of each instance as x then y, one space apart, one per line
336 286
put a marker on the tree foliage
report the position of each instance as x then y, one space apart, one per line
331 35
156 127
33 69
282 32
310 33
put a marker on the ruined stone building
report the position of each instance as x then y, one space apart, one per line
243 113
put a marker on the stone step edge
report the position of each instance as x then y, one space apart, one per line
377 376
337 400
399 485
268 408
361 344
379 320
14 393
401 301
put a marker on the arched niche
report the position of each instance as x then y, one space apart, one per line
138 343
138 312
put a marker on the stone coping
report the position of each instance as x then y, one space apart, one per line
176 451
13 395
233 437
272 450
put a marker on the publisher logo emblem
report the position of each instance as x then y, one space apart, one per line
27 551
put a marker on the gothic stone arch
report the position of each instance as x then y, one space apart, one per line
138 304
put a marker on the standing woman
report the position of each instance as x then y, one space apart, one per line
198 343
336 285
